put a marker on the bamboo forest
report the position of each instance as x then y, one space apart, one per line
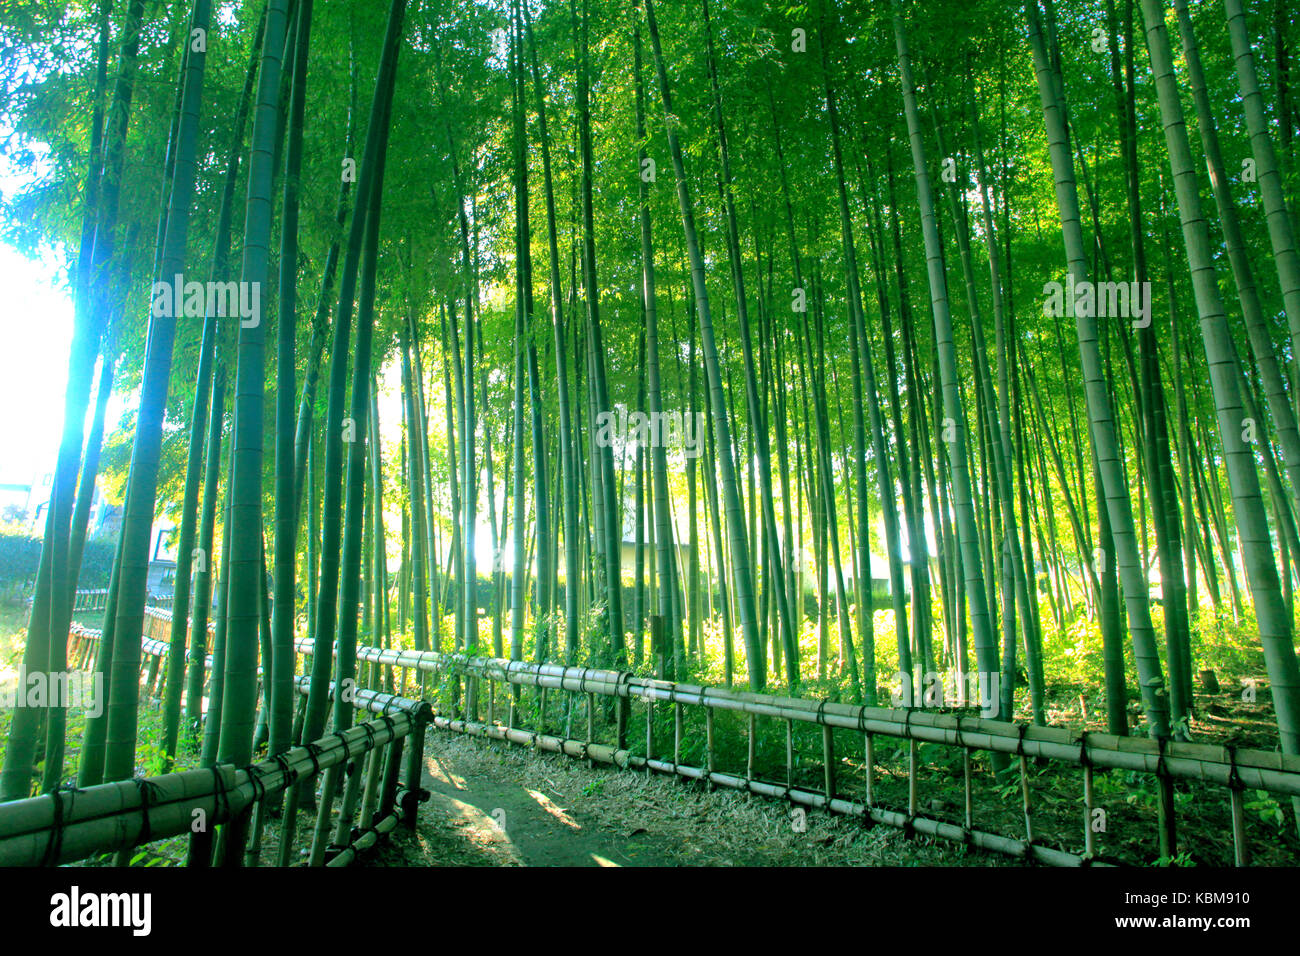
655 433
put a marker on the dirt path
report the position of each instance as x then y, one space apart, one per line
495 804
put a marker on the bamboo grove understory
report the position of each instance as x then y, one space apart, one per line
676 348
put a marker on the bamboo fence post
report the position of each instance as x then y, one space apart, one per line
374 762
1240 849
912 748
789 751
1165 812
828 760
870 757
677 733
348 806
415 794
966 788
710 761
649 730
1024 793
288 825
253 852
323 813
392 773
749 762
1089 836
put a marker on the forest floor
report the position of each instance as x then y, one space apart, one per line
495 804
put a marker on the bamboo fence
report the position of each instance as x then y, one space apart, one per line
71 825
1235 769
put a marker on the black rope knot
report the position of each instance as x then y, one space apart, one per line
1234 777
219 796
286 767
314 751
147 791
254 778
55 845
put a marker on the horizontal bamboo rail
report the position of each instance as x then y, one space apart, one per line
71 824
1234 769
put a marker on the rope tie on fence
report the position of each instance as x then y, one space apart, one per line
55 844
341 736
290 772
1020 740
1161 770
862 719
1234 778
314 750
219 792
255 778
961 741
146 790
909 826
1084 759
